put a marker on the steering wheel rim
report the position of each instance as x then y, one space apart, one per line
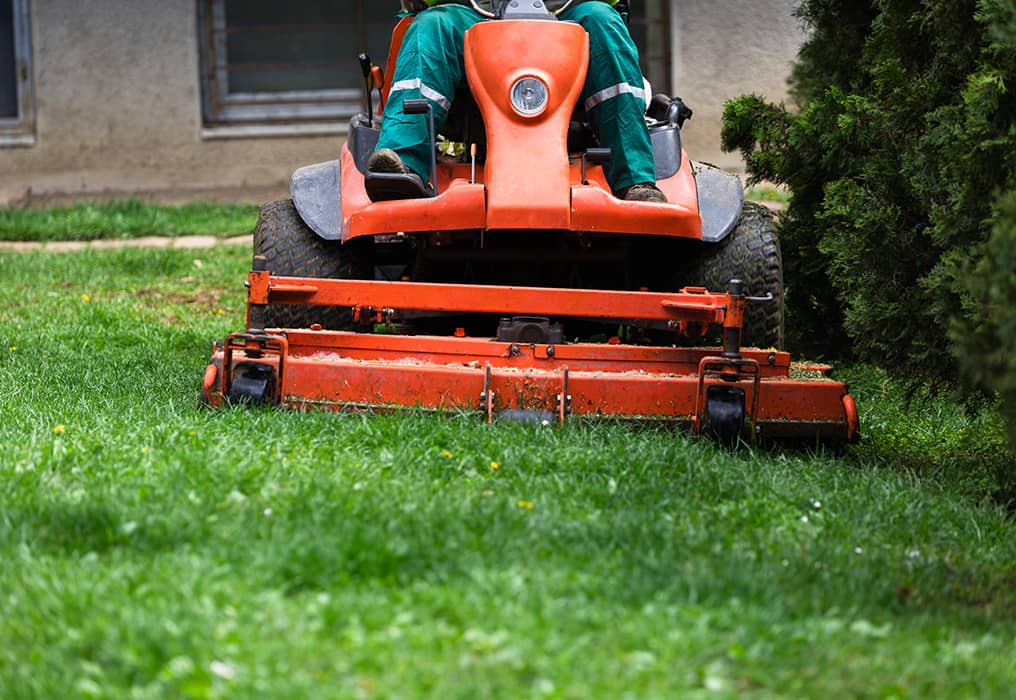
482 11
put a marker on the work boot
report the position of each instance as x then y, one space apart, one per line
385 160
644 192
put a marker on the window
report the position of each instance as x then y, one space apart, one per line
266 62
650 26
17 104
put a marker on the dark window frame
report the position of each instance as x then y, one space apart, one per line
660 57
297 108
20 130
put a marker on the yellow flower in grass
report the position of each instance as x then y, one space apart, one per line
60 428
86 298
495 466
446 454
527 505
14 348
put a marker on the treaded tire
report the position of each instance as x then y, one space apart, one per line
750 253
292 249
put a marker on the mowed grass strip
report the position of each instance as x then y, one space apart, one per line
129 218
153 549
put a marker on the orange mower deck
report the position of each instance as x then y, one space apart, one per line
300 368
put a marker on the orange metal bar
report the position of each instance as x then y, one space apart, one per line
704 307
588 357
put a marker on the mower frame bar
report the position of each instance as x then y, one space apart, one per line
691 304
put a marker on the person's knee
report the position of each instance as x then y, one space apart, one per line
440 27
434 20
597 13
606 28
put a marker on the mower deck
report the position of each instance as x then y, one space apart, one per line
299 368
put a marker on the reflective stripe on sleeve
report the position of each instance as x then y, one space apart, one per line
612 92
430 94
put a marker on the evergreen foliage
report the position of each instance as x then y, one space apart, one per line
900 239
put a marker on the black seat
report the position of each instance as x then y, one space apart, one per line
387 187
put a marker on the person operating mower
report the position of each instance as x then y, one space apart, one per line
430 65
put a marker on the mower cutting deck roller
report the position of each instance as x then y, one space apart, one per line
520 285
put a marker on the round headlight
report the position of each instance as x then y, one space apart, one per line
529 96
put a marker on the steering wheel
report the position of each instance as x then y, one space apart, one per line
487 13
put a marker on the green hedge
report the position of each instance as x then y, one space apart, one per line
900 239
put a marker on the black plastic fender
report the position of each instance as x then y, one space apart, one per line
317 195
721 198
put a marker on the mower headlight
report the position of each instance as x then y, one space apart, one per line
529 96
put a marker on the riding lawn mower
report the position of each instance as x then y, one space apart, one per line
512 281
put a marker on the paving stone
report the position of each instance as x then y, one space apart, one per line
246 239
66 246
195 242
20 246
110 244
151 242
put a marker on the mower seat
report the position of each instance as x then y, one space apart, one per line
388 187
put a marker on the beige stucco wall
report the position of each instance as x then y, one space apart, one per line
118 97
118 108
725 48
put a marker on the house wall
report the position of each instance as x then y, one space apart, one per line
118 108
725 48
118 101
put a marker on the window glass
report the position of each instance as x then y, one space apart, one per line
8 65
296 61
650 26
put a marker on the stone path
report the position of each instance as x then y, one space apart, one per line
112 244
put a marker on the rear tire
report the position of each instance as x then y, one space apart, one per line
292 249
752 254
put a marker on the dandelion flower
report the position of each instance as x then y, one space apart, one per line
527 505
14 348
86 298
60 428
446 454
495 466
221 312
222 670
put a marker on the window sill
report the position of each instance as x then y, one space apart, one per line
17 140
246 131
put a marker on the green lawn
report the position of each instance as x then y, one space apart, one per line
128 218
152 549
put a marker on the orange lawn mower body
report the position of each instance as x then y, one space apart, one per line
519 284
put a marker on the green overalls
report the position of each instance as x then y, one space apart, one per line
431 65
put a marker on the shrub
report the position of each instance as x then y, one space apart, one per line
899 155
